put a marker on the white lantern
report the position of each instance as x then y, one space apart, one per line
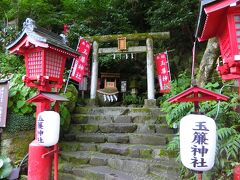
197 142
48 128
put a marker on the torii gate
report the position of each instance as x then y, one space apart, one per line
148 37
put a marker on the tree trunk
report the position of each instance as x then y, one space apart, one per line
208 62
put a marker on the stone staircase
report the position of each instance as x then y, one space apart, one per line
117 143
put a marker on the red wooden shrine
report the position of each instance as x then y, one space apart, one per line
45 55
221 19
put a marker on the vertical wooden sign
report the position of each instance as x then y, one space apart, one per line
4 86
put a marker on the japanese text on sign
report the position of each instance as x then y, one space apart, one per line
163 72
81 62
3 102
197 142
40 130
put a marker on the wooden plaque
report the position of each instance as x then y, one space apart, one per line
4 85
122 44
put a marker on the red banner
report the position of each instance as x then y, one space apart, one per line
80 63
163 72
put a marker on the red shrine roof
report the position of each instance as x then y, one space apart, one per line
43 96
210 16
33 36
197 94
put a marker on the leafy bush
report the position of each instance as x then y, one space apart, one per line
18 122
72 95
227 121
18 95
67 108
131 99
5 167
10 64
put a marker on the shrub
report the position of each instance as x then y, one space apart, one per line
19 122
5 167
18 95
131 99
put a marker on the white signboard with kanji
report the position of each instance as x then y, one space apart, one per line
197 142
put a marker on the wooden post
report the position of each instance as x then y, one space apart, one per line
94 73
150 69
199 176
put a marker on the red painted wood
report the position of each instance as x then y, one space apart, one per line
197 94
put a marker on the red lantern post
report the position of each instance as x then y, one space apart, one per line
196 94
45 55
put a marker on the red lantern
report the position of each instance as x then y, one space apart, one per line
45 55
221 19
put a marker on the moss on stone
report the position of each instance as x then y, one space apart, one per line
168 153
82 110
79 119
78 161
135 36
132 152
152 127
18 146
145 153
161 119
90 128
69 146
147 110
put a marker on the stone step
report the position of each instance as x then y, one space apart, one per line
127 164
104 128
132 138
67 176
115 111
89 118
121 128
102 110
107 173
98 119
131 150
69 171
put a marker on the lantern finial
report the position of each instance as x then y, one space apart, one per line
29 24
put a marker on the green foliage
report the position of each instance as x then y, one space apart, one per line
227 121
66 108
7 34
65 118
10 64
72 95
18 94
132 99
176 111
5 167
19 122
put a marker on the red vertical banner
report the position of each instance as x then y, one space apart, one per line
80 63
163 72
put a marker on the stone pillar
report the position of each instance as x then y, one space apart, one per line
94 74
150 69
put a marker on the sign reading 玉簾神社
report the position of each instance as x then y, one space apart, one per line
4 85
80 63
163 72
197 142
